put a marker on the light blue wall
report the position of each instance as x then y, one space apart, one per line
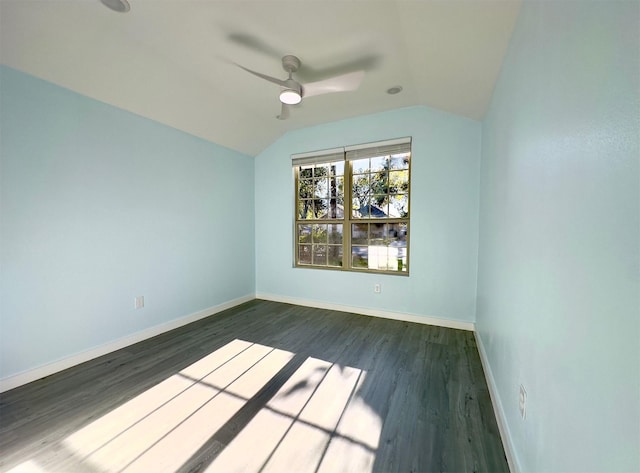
558 284
99 206
444 216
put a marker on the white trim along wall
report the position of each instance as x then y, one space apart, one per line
60 365
370 312
496 402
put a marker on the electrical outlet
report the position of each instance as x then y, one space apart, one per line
377 288
523 402
138 302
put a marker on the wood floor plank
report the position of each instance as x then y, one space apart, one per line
383 396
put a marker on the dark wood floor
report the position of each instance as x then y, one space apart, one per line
263 387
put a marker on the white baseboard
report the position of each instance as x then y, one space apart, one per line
457 324
498 410
25 377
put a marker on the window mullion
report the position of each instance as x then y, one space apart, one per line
346 228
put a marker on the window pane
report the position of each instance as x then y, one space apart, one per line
320 233
377 234
337 169
336 208
400 205
305 209
321 188
359 257
397 234
321 170
306 172
387 258
335 234
398 182
336 187
360 233
378 258
403 230
362 212
380 163
319 254
392 211
379 182
380 206
360 185
304 254
360 207
400 246
397 259
360 166
335 255
304 233
305 188
402 260
320 208
400 161
355 208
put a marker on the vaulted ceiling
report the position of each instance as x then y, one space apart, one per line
174 61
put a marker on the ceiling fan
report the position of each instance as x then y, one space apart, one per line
292 92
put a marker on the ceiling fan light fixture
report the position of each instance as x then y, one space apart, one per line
290 97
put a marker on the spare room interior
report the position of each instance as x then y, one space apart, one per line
308 235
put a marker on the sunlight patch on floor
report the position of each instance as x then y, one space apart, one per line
265 431
90 438
252 447
295 393
316 414
300 451
174 449
316 421
215 360
357 436
248 386
29 466
328 402
182 411
303 447
119 452
180 444
345 455
360 421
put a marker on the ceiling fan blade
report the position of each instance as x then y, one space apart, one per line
343 83
306 73
284 112
251 42
264 76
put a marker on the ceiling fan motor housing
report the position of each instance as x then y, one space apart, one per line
290 63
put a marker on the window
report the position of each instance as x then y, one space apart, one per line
352 207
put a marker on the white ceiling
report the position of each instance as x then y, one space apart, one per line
171 60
